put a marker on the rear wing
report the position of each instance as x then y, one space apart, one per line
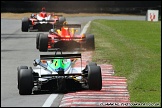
60 25
72 25
68 25
60 56
58 15
44 20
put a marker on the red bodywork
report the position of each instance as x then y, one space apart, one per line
44 15
65 34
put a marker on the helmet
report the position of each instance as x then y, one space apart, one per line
32 15
60 64
43 9
51 31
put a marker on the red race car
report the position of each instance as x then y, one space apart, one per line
42 21
65 39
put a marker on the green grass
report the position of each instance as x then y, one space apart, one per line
134 50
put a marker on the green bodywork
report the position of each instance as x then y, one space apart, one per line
59 64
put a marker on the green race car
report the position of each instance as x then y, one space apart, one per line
58 72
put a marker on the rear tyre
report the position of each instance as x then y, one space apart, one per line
25 24
37 40
26 82
94 78
92 64
43 43
18 73
90 42
85 70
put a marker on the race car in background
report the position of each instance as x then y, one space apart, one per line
66 39
58 73
42 21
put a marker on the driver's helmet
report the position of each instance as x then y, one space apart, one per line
32 15
43 9
60 65
51 31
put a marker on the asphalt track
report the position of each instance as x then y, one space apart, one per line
18 48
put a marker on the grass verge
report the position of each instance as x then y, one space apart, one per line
134 50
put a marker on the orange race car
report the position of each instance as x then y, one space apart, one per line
65 38
42 21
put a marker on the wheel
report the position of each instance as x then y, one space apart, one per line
43 42
21 67
85 70
92 64
26 83
37 40
94 77
25 24
90 42
18 73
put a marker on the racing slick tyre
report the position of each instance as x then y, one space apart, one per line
85 71
92 64
37 40
43 42
90 45
18 73
25 24
26 82
94 77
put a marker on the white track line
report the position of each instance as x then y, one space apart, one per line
52 97
85 28
50 100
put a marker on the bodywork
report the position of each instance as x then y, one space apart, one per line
65 38
55 72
